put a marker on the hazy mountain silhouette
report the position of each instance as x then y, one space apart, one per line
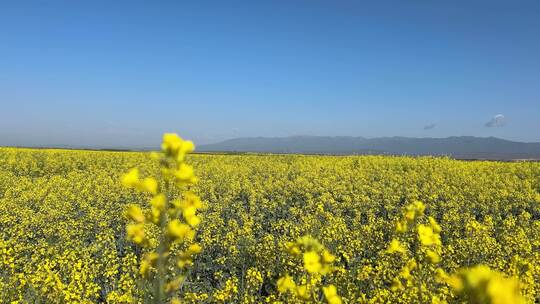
463 147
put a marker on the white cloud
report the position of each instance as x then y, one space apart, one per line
430 126
497 121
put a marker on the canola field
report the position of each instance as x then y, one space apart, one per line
86 227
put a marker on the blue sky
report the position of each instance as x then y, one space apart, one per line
120 73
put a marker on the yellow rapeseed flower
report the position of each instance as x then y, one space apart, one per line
427 236
179 231
285 284
174 146
185 175
194 249
396 246
483 285
189 206
328 257
158 201
433 256
131 179
135 213
303 292
312 262
411 264
441 276
186 147
401 226
135 233
434 225
292 248
171 143
330 293
149 185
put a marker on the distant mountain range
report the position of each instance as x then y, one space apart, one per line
462 147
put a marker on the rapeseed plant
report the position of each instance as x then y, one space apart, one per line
481 285
175 218
63 238
317 262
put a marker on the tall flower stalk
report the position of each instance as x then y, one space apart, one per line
166 230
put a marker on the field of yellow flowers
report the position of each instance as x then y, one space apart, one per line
134 227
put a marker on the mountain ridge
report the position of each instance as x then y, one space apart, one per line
463 147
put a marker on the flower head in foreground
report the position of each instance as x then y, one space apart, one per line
427 236
312 262
330 293
396 247
481 285
176 219
317 262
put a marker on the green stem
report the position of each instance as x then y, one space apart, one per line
160 265
159 284
419 282
419 265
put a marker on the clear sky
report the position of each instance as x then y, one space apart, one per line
120 73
